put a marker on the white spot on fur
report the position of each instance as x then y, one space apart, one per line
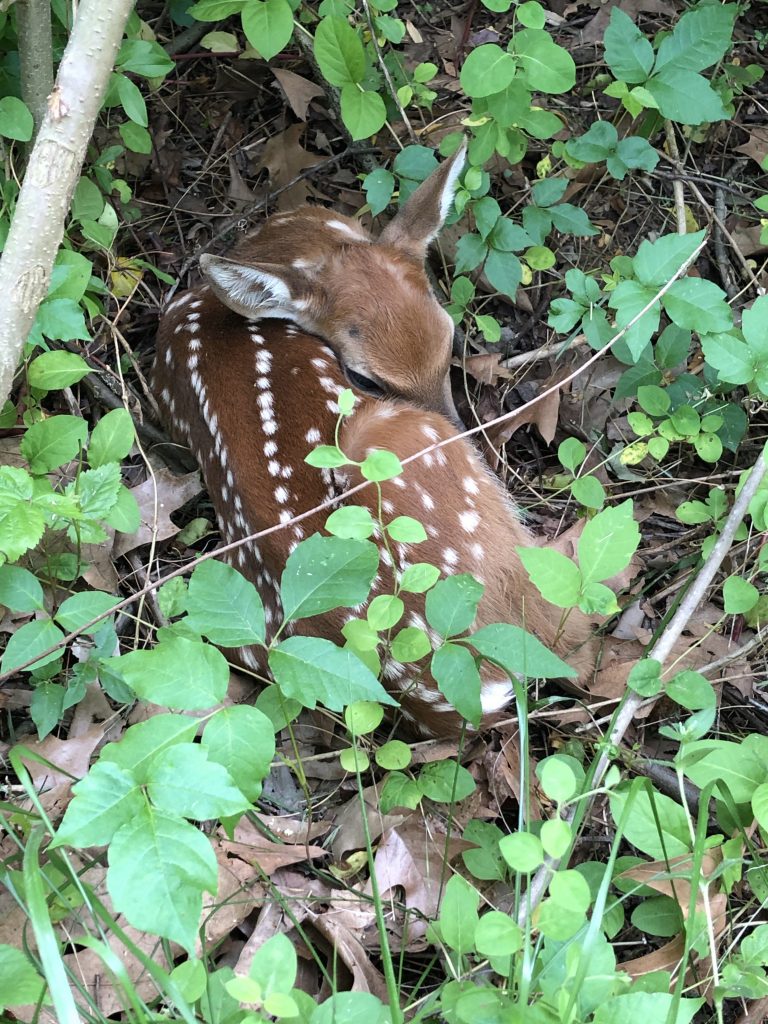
469 521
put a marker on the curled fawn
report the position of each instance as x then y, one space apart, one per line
248 371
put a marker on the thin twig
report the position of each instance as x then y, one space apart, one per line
387 76
677 184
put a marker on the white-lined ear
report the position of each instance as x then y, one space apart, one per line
248 290
417 224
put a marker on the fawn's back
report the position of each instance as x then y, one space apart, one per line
251 397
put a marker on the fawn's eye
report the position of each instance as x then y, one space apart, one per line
363 383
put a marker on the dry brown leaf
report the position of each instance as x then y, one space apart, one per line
72 756
285 158
238 893
365 977
351 828
756 146
485 367
251 846
298 91
157 499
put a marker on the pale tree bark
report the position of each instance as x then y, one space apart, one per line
33 19
52 173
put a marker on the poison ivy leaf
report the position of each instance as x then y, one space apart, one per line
503 271
685 96
241 739
470 252
268 26
730 357
311 670
20 590
22 985
596 144
698 305
699 39
177 673
224 606
556 577
571 220
53 370
79 609
325 573
159 867
628 53
141 743
182 780
30 640
608 542
519 653
379 186
105 800
53 442
97 489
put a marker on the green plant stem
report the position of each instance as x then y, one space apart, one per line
395 1010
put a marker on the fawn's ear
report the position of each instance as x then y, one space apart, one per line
253 290
417 224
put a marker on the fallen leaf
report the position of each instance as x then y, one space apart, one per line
298 91
157 498
285 159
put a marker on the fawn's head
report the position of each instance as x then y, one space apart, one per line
369 299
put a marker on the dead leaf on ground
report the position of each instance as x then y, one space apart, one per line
157 498
250 845
352 953
285 158
756 146
298 91
71 756
485 367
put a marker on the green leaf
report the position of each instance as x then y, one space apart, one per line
22 985
20 590
708 446
132 102
379 186
224 606
274 966
326 456
311 670
419 577
596 144
627 52
698 305
458 915
410 644
522 851
645 677
16 121
53 442
504 271
362 718
145 58
21 522
445 782
79 609
97 489
608 542
588 491
686 97
353 522
182 780
362 111
105 800
455 672
730 357
47 707
155 675
385 611
471 250
112 438
241 739
380 465
734 767
141 743
646 1006
656 263
56 370
339 52
571 453
487 69
699 39
399 791
641 827
159 866
557 777
324 573
556 577
754 325
216 10
406 530
268 26
451 605
659 916
545 66
136 139
739 595
124 515
519 653
572 220
654 400
393 756
29 640
531 14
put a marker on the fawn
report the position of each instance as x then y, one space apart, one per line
248 371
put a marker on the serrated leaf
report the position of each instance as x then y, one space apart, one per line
311 670
607 543
105 800
224 606
159 867
324 573
157 675
53 442
20 590
182 780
